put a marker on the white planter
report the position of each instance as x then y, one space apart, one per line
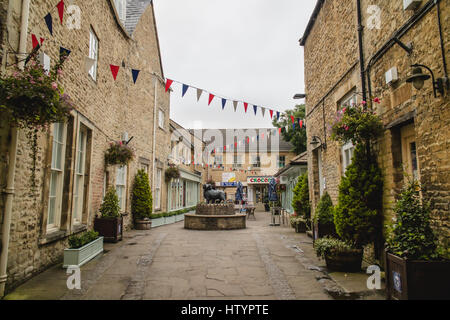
170 220
158 222
78 257
179 217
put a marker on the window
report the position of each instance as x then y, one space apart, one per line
93 54
409 152
237 163
256 162
121 186
321 177
80 173
158 188
161 119
121 8
56 176
347 155
281 161
218 159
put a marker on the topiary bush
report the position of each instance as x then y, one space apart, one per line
141 200
412 236
324 211
357 215
110 207
300 201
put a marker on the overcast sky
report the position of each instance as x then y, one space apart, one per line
239 49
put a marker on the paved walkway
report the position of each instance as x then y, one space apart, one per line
169 262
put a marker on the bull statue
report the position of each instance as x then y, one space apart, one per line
211 195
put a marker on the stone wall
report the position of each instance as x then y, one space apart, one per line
107 107
332 71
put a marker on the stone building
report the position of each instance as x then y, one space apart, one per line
345 66
71 173
250 156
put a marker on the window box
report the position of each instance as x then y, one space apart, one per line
169 220
158 222
109 228
80 256
179 217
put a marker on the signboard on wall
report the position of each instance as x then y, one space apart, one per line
259 180
229 177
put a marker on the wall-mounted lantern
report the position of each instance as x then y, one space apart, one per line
418 78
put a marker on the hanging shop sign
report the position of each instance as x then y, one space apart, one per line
259 180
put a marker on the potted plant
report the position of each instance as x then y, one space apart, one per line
299 224
172 173
141 201
416 268
301 205
118 153
110 223
82 248
339 255
324 218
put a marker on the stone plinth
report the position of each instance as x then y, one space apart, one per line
215 209
217 222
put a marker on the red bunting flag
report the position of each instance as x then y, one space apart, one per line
42 40
279 130
235 144
245 106
114 70
168 84
34 40
211 97
301 123
60 6
262 135
293 119
271 114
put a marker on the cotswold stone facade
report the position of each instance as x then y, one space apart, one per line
105 111
416 139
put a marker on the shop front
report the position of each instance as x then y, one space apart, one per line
258 189
184 192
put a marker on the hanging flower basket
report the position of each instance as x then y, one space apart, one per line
118 153
33 100
172 173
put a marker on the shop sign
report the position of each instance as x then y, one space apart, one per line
259 180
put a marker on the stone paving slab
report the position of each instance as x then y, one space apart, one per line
169 262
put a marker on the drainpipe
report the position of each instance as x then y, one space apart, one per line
361 50
154 140
9 191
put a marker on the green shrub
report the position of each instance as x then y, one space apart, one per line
357 215
328 246
411 236
110 207
78 241
325 210
141 201
295 220
300 201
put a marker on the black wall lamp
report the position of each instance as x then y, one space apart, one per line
316 142
418 77
300 96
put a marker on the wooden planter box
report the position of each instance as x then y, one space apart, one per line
110 229
300 227
78 257
345 262
158 222
142 224
416 279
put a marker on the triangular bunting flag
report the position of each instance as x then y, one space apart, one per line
271 114
263 111
293 119
278 115
64 53
42 40
279 130
185 89
135 74
114 70
60 6
199 94
245 106
235 105
88 64
211 97
301 124
168 84
224 102
255 108
49 21
34 40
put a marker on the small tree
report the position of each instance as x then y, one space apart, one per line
357 215
325 211
141 201
300 201
412 236
110 207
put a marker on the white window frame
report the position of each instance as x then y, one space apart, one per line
279 162
321 177
79 174
256 161
122 186
347 150
93 53
218 159
158 184
59 180
161 119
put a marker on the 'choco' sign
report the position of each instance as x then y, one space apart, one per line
259 180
